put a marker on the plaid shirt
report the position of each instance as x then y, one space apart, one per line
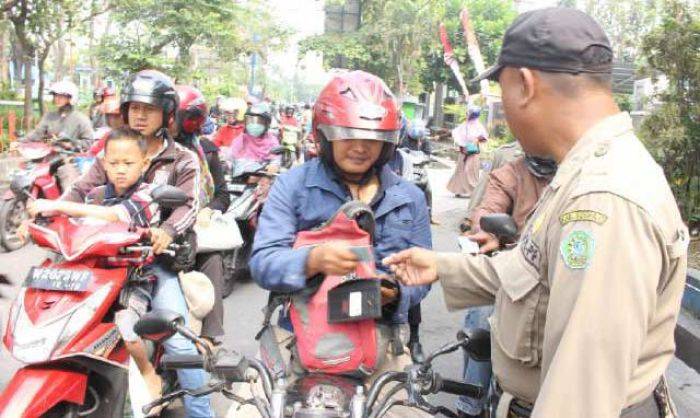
133 206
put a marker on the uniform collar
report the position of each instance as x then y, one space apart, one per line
595 141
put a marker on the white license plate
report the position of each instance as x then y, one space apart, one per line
58 279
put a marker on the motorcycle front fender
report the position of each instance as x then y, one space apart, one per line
34 390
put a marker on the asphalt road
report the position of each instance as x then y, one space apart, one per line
244 316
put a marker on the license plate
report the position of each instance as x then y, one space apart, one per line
58 279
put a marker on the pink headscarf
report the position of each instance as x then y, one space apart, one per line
248 147
469 131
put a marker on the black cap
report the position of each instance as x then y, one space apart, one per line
554 39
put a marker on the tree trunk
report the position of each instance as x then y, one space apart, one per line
3 59
27 125
59 58
438 116
40 91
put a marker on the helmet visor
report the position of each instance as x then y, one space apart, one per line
339 133
255 119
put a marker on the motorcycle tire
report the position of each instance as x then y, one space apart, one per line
12 213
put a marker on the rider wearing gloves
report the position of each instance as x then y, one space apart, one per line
149 101
65 121
356 120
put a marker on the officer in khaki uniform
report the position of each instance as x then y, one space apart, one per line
586 304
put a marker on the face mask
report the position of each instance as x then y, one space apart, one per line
255 129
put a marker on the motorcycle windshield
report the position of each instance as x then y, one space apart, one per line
78 238
245 167
34 150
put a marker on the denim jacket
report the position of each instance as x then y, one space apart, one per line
305 197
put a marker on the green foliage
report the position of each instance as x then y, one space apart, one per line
148 27
399 39
672 131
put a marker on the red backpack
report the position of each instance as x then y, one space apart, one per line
333 317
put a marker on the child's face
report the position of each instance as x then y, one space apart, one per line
124 163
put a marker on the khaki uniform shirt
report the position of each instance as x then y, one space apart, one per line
586 304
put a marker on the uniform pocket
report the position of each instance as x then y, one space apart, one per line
515 315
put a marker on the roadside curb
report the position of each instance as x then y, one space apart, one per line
688 328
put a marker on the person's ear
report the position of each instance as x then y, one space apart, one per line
528 85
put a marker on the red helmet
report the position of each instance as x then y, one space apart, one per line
192 110
358 105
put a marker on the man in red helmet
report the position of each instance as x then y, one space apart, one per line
356 121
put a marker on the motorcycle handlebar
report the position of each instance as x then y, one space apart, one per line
181 361
459 388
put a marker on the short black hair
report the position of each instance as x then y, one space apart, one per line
569 84
126 133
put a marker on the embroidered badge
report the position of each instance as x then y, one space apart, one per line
161 177
583 215
531 252
577 249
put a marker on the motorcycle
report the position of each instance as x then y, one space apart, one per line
61 322
289 138
248 186
315 395
42 162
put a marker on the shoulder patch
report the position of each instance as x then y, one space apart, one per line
583 215
577 249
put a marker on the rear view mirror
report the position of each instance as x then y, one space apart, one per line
277 150
20 185
158 325
499 224
169 197
479 346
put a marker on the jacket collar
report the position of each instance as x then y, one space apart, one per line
322 177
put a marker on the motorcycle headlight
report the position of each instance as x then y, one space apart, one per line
36 343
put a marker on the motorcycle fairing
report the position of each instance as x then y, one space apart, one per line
35 390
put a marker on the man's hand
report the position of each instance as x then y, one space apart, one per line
413 267
160 240
331 259
35 207
487 242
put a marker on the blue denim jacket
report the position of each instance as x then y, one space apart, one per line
307 196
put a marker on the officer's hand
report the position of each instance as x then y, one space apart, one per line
487 242
413 267
331 259
160 240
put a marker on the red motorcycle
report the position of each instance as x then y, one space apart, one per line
61 323
41 163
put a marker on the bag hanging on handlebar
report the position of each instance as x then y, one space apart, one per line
348 347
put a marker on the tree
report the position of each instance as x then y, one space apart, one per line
149 26
38 24
672 131
398 39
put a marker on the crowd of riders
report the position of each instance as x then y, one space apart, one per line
160 133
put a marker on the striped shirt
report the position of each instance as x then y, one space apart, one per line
135 206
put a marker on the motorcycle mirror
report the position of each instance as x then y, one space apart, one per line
479 346
169 197
277 150
158 325
20 185
499 224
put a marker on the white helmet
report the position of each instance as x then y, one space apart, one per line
233 104
65 88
